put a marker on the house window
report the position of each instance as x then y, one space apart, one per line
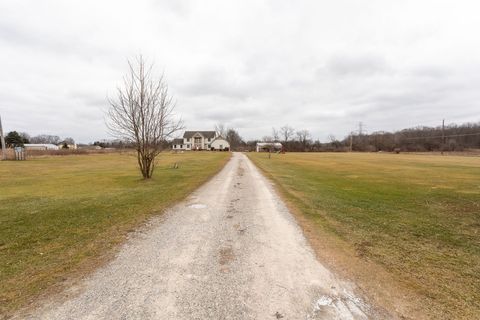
181 146
209 139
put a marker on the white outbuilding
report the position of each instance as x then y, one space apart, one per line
272 146
220 144
40 146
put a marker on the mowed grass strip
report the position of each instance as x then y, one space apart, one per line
60 215
418 216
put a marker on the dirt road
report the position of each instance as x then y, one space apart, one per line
230 251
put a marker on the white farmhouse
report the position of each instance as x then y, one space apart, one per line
200 140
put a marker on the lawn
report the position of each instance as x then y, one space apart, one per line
62 216
415 216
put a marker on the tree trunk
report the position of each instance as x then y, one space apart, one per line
145 164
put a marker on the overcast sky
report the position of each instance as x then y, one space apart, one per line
252 65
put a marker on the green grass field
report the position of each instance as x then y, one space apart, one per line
417 216
61 216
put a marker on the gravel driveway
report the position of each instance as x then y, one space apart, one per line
230 251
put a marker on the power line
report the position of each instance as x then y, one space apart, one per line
361 131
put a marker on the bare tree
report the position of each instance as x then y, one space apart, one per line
334 141
275 135
25 136
332 138
143 114
221 130
69 140
234 139
45 138
287 133
229 134
303 137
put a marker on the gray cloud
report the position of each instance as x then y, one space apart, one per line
214 81
356 65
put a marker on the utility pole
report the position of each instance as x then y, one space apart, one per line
2 138
360 137
351 141
443 135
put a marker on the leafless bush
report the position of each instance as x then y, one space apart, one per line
143 114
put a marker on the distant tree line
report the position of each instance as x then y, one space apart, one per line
452 137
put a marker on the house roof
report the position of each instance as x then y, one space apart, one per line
205 134
46 145
177 141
